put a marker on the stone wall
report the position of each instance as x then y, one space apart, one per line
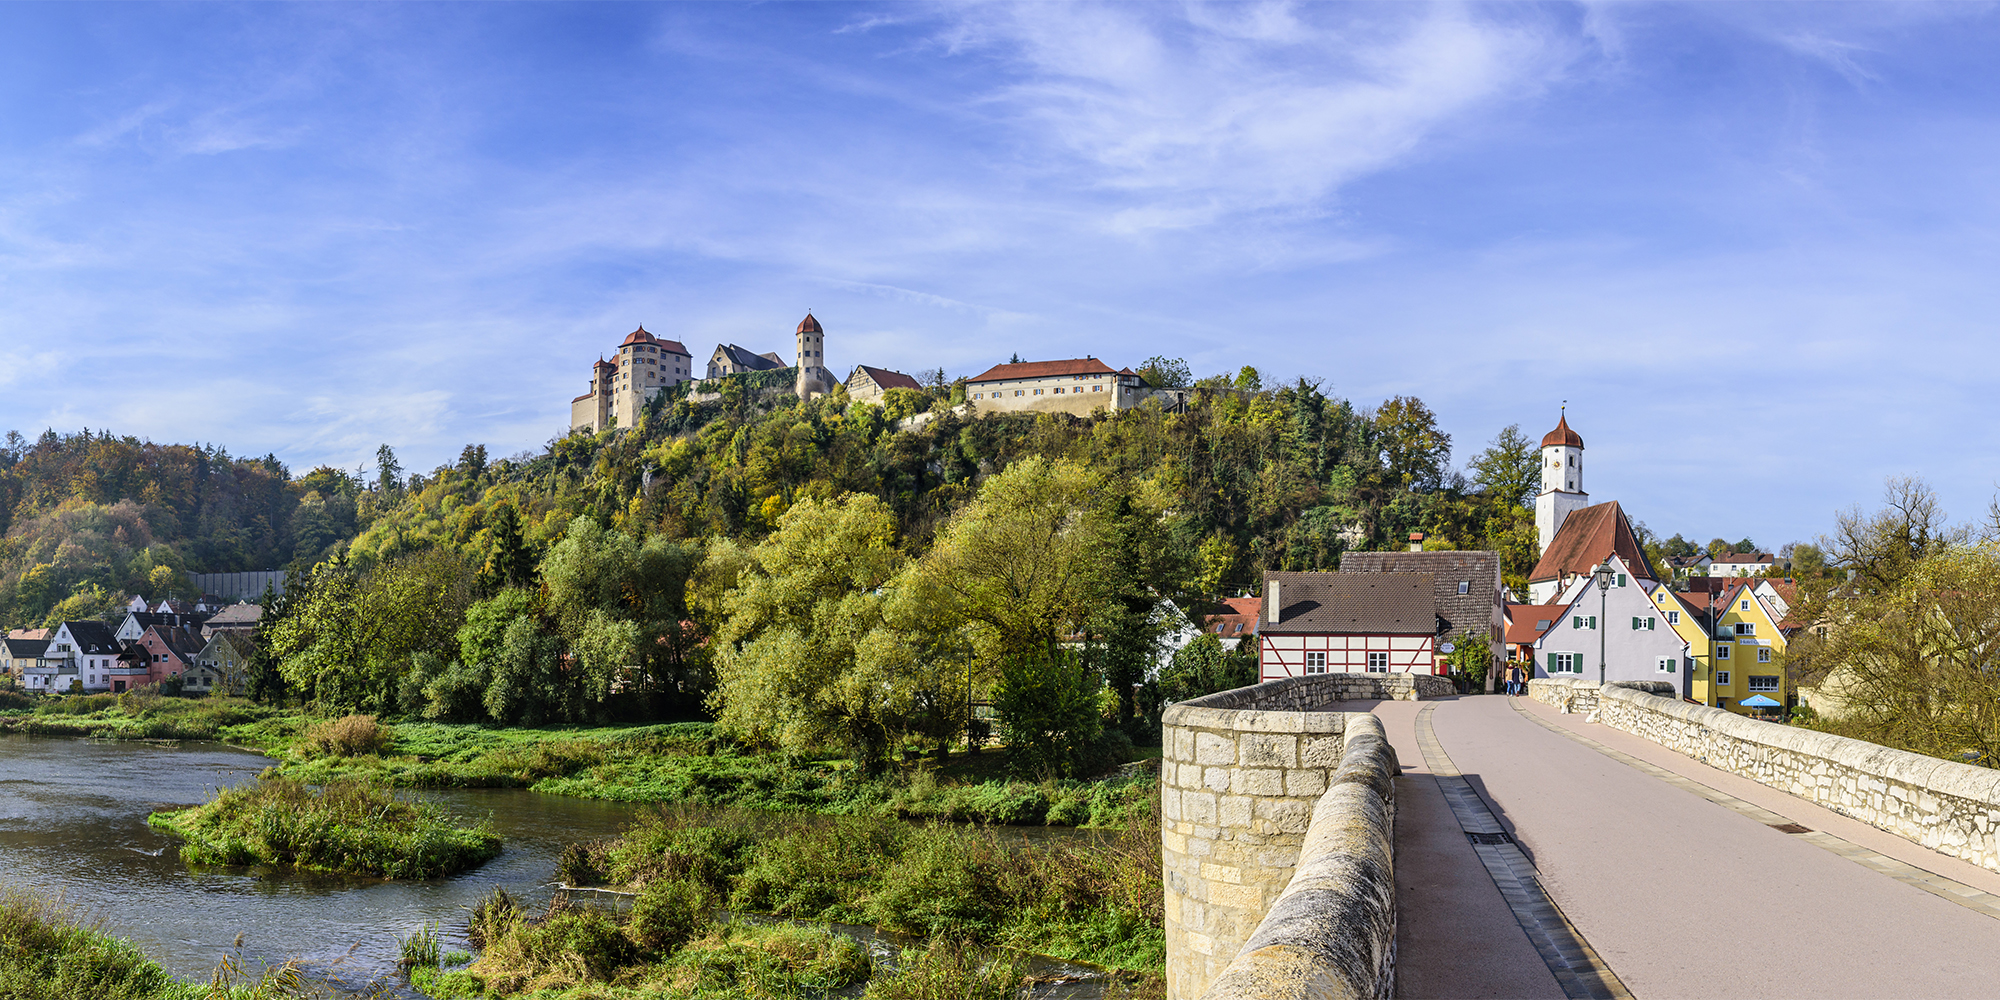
1576 695
1241 775
1943 805
1332 932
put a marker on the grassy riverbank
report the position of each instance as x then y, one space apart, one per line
684 762
49 952
342 827
975 900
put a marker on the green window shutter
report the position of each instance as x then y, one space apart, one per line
1652 624
1593 623
1552 662
1621 579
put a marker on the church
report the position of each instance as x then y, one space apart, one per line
1575 535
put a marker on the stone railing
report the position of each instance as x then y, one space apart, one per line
1331 935
1949 807
1240 785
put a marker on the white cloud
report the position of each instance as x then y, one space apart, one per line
1840 56
1200 112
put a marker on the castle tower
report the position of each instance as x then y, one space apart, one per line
1562 481
810 355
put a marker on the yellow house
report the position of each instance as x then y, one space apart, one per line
1747 650
1734 639
1688 622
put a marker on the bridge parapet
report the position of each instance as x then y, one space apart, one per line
1244 783
1943 805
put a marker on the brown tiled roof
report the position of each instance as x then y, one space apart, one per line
1585 538
1233 617
1044 369
888 379
809 325
1353 604
639 336
1562 435
1472 611
1527 622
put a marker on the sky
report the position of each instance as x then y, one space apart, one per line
1752 247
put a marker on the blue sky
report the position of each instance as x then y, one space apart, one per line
1752 246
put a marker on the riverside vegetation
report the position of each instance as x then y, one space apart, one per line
959 892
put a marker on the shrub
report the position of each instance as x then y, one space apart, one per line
669 913
1049 706
941 885
348 736
950 970
343 827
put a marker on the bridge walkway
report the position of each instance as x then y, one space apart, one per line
1676 879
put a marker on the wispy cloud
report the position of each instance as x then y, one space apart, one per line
1841 57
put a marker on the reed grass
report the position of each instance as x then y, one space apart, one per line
343 827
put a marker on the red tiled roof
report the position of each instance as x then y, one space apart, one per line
1235 617
1044 369
809 325
1525 621
1562 435
1586 537
888 379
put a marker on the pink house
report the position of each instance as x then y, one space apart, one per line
169 650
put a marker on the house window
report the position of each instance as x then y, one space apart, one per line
1722 651
1722 678
1465 586
1565 663
1763 682
1745 606
1584 622
1018 392
1378 663
1059 390
1746 628
1096 388
1666 664
1673 618
1542 625
1764 654
1315 663
1038 392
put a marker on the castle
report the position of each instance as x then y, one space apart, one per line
647 365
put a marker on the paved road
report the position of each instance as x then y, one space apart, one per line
1680 896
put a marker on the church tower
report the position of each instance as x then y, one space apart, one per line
810 358
1562 481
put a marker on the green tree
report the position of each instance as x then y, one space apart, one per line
509 561
1051 709
1414 452
1509 468
1166 373
1203 667
802 658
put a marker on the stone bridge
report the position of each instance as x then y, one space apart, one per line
1374 836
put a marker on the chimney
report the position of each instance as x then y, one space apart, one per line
1416 541
1273 602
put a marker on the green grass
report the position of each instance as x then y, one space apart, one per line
48 951
1095 899
150 716
342 827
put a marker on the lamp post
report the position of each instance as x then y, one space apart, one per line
1604 574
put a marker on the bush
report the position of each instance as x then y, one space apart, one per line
343 827
950 970
1049 707
348 736
942 884
669 913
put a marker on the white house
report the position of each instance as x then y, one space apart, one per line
1231 620
83 650
1316 623
1619 629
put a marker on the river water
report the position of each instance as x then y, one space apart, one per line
73 821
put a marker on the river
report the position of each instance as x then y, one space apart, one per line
73 821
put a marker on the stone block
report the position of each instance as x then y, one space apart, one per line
1199 807
1216 779
1305 784
1221 873
1234 811
1324 752
1210 749
1261 750
1259 781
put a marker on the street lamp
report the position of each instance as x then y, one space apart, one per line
1604 574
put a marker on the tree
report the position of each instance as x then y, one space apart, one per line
1249 379
1204 667
1881 547
1510 468
388 472
803 659
1049 706
509 561
1166 373
1020 564
1414 452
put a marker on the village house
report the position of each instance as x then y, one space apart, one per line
1525 624
20 654
1374 623
1232 620
239 617
1079 386
77 650
1467 593
1742 564
170 652
222 666
867 383
1614 634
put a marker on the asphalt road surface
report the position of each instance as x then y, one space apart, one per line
1680 896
